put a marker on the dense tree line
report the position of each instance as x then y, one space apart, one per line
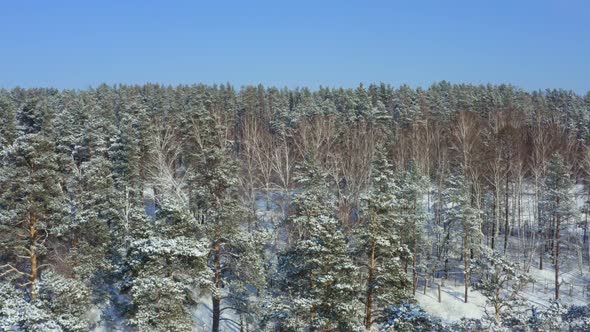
282 209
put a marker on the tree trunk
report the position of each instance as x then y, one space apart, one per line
541 234
34 276
541 252
414 259
497 306
496 222
217 281
519 202
466 262
556 245
330 328
552 238
585 236
369 304
506 222
311 308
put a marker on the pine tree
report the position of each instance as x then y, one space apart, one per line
67 301
558 207
17 314
31 197
164 266
316 276
165 256
128 149
380 241
7 119
92 229
461 211
501 283
412 188
36 208
235 251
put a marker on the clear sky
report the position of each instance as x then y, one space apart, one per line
76 44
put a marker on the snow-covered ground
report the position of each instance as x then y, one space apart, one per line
203 315
573 291
452 307
574 274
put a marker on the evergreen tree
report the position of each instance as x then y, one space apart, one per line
32 198
35 207
92 229
380 241
128 149
235 250
501 283
460 211
558 207
316 276
18 314
412 188
7 119
164 267
67 301
164 256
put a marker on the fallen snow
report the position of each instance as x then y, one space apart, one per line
452 308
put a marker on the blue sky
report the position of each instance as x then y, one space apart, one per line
77 44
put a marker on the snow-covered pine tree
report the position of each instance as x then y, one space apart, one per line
18 314
32 199
558 207
34 208
165 255
235 256
548 319
501 282
379 238
412 214
460 211
129 148
7 119
316 278
93 231
93 226
165 266
68 301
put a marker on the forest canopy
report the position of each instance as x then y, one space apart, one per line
285 209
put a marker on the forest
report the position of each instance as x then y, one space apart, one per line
213 208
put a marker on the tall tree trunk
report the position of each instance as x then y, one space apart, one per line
217 281
414 260
556 245
506 222
541 233
330 328
369 303
311 308
552 240
497 306
496 222
541 252
34 276
585 236
466 262
519 202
